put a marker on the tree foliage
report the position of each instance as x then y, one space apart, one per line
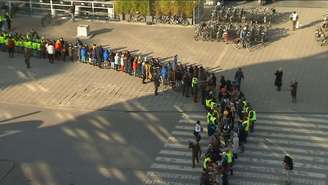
156 7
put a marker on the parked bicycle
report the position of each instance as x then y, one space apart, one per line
321 33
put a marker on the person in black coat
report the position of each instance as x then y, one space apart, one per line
99 55
278 80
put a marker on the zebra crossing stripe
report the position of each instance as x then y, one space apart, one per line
258 158
280 135
192 122
291 119
277 178
293 126
165 175
293 116
273 170
245 182
288 149
164 182
186 140
181 146
190 128
290 142
293 130
182 133
287 123
278 154
176 153
175 167
173 160
195 116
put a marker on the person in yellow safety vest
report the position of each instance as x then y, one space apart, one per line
244 104
194 86
229 155
252 119
206 162
211 127
212 105
208 101
214 118
28 44
246 125
2 42
19 45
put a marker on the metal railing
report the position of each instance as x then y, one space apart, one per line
90 8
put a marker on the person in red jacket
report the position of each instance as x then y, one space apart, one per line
11 47
58 48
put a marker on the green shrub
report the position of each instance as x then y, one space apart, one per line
156 7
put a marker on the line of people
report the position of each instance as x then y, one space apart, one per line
230 119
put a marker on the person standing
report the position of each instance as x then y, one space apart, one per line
288 168
174 67
51 52
239 75
294 18
293 90
197 131
194 86
11 47
235 145
27 56
278 80
156 83
186 84
196 152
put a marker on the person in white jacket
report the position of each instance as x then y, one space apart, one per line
51 51
116 61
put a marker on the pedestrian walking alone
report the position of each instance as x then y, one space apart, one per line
293 90
278 79
288 168
196 152
27 56
294 18
239 75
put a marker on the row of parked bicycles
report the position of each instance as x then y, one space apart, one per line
261 15
161 19
245 28
242 35
321 33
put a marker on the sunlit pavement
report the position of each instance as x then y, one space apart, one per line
73 123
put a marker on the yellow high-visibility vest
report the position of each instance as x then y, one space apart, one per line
229 157
246 124
194 81
206 160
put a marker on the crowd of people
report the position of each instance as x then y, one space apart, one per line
230 118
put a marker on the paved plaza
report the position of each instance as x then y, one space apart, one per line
72 123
